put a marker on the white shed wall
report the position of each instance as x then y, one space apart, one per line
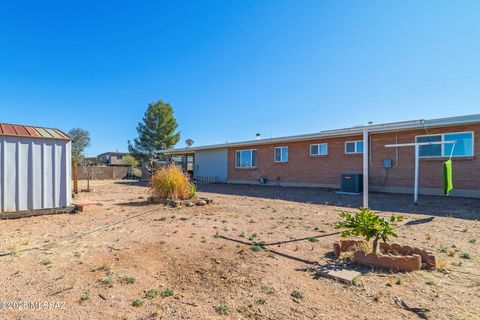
211 163
35 173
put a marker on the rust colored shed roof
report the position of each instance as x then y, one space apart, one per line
32 132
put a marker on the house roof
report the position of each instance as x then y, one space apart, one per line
111 153
15 130
358 130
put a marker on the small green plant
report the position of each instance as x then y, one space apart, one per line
357 282
256 248
472 240
242 235
252 237
167 292
223 309
262 300
313 239
297 294
130 280
457 263
138 303
367 224
443 249
46 262
85 296
106 281
466 255
151 293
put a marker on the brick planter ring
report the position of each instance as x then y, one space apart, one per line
406 263
428 258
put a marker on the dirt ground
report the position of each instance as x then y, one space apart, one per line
96 264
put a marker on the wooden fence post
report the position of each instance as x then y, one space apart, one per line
75 177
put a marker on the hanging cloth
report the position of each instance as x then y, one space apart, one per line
447 177
448 174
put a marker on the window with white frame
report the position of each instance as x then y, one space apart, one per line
320 149
352 147
281 154
246 158
462 146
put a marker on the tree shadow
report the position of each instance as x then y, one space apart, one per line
441 206
419 221
142 203
135 183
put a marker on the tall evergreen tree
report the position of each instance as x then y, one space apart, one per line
156 131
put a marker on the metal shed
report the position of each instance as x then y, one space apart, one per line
35 168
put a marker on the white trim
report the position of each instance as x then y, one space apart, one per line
281 154
442 152
356 147
251 159
318 147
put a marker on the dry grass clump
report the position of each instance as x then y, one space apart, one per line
171 182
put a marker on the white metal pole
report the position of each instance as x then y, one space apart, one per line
365 168
417 162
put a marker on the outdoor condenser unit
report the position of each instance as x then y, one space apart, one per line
351 182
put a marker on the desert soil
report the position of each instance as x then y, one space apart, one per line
95 264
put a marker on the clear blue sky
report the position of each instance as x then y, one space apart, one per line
235 68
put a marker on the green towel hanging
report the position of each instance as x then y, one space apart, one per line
447 177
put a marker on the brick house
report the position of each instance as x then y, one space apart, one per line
318 160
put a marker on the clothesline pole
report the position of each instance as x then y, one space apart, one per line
417 146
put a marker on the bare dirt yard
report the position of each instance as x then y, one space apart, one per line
125 258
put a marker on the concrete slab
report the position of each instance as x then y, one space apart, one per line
339 274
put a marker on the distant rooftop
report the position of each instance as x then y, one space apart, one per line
32 132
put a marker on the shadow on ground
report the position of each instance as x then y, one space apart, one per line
441 206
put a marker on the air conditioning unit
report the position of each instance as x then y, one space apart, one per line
351 182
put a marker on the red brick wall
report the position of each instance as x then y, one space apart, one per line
305 169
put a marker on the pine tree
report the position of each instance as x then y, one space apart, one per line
156 131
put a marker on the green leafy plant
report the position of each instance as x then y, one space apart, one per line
130 279
297 294
223 309
367 224
167 292
151 293
138 303
85 296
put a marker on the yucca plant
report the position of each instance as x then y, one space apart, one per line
367 224
171 182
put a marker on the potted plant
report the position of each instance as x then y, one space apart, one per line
368 225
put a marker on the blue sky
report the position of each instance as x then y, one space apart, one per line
234 68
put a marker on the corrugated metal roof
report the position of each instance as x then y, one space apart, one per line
7 129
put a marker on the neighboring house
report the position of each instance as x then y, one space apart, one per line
35 169
319 159
112 158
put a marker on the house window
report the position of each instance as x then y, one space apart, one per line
352 147
463 146
119 157
320 149
281 154
246 158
